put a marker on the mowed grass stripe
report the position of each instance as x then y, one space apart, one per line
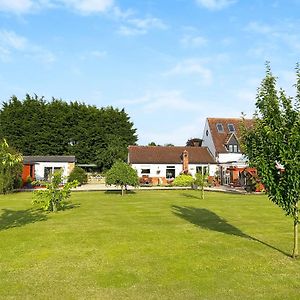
147 245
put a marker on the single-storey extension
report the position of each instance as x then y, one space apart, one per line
161 164
41 167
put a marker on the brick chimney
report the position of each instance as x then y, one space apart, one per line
185 162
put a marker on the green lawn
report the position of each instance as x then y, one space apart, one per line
147 245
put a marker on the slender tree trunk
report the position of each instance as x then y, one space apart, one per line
122 190
295 250
54 206
202 183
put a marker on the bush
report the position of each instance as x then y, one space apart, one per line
78 174
10 167
183 180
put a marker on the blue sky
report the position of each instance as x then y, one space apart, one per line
169 63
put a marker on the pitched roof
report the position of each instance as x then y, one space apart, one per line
220 138
167 155
49 158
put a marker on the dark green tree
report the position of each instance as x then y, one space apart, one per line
121 174
94 135
272 145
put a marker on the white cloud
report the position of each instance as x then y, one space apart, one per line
192 67
172 100
16 6
257 27
81 6
178 135
138 26
89 6
215 4
189 40
12 40
10 43
274 37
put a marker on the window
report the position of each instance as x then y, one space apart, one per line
207 133
170 172
48 172
202 170
145 171
231 128
220 127
233 148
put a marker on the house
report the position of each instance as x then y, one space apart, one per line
41 167
160 164
222 137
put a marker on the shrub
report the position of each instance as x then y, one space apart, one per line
78 174
183 180
53 198
10 167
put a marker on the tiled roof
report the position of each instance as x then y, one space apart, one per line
50 158
220 138
167 155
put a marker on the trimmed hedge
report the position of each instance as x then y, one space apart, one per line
183 180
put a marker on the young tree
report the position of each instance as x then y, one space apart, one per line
10 167
201 180
272 145
121 174
54 196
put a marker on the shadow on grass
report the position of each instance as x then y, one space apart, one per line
118 192
208 220
188 195
70 205
11 218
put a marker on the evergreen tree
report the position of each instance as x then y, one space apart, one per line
94 135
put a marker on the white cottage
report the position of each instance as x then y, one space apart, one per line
160 164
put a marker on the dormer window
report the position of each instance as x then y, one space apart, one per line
231 128
233 148
220 127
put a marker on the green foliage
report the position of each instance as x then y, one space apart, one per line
183 180
10 168
53 197
121 174
273 143
78 174
201 180
93 135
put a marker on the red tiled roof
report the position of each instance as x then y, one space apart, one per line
219 138
167 155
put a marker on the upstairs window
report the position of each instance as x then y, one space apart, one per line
231 128
220 127
233 148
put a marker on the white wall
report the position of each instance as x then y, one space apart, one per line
39 168
159 170
229 157
207 140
